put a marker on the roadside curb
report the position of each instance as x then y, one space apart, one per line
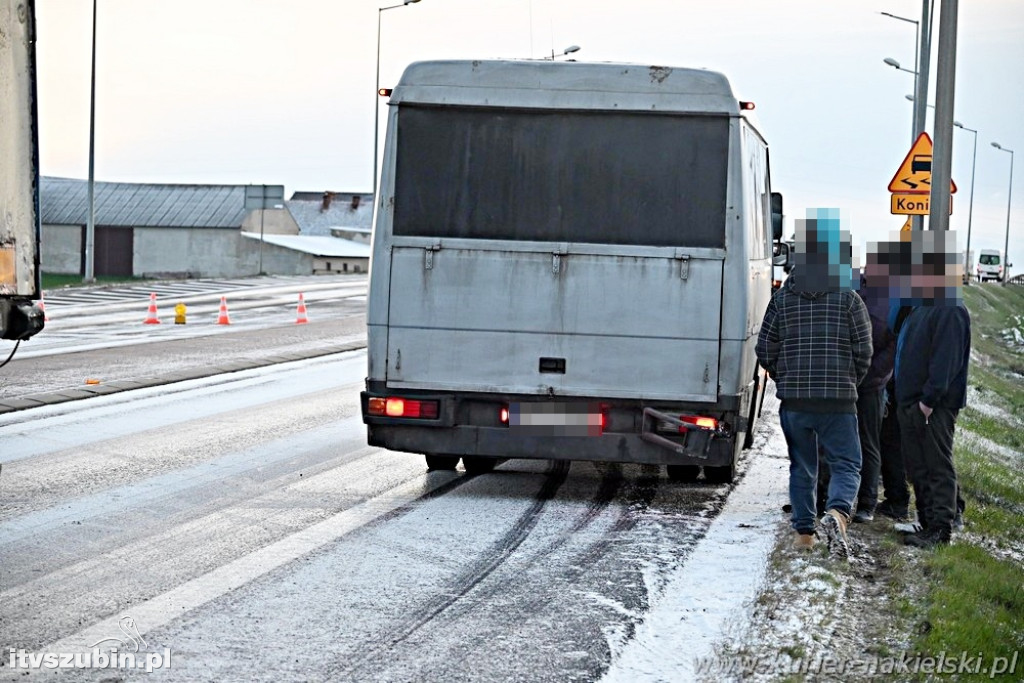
11 405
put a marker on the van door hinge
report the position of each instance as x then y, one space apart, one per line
429 250
684 266
556 257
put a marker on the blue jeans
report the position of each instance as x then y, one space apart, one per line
837 434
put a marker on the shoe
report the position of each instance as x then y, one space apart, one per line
908 527
888 509
804 541
958 522
833 523
864 516
926 539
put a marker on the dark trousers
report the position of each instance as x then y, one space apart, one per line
870 407
928 453
892 469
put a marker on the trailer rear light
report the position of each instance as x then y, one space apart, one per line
403 407
503 415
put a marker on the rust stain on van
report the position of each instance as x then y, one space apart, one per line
660 73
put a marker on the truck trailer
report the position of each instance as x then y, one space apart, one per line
20 317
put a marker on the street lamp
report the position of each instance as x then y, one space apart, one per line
970 207
896 65
917 49
913 99
376 95
567 51
1006 244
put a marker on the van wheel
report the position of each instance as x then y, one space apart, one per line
442 462
683 473
476 464
720 475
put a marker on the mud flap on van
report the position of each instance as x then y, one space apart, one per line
696 444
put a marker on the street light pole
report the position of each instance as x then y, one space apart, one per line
970 206
1009 195
90 219
917 49
376 96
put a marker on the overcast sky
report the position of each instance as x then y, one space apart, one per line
282 91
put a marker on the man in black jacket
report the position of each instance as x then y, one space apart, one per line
871 396
932 355
815 342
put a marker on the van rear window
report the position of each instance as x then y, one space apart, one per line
595 177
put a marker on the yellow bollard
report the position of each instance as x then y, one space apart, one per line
179 314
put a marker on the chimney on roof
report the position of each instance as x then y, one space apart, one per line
328 196
355 201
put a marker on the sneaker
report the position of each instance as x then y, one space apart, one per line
908 527
833 523
804 541
888 509
863 516
958 522
926 539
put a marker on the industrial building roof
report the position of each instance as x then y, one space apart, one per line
65 201
319 213
317 245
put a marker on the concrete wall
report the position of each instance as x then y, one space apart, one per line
181 252
275 222
325 265
61 249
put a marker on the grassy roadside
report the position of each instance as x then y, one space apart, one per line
894 613
973 599
58 281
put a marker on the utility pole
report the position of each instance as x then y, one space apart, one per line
942 155
921 82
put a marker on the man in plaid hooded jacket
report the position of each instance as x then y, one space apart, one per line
815 342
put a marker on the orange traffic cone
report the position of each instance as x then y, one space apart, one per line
301 318
223 318
42 307
151 319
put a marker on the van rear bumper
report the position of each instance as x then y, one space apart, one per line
469 425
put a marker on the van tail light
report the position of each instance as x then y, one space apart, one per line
395 406
699 421
503 415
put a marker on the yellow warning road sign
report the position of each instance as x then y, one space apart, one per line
914 175
913 204
908 226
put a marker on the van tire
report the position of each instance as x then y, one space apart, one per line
683 473
476 464
442 462
720 475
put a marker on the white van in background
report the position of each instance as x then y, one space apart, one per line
570 261
990 265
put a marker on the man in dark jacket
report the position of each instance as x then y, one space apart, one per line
871 393
933 352
815 342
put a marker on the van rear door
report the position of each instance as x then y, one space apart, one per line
558 253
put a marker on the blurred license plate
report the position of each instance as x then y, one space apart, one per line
556 419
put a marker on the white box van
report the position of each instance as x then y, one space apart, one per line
570 261
990 265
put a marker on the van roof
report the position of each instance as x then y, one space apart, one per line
566 85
